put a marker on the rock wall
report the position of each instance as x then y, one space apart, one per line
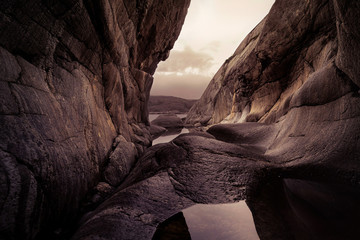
75 75
296 160
302 53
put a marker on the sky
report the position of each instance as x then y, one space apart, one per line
212 31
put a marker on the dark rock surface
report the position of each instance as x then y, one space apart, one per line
296 159
168 121
75 75
168 178
302 209
201 169
174 228
169 104
156 131
75 80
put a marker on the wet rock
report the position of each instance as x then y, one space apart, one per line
168 178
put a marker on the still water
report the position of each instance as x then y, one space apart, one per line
209 222
152 116
167 137
220 221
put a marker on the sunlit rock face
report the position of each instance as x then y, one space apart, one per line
292 90
75 75
304 53
295 76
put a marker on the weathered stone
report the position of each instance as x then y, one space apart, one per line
121 161
74 75
156 131
292 53
134 212
294 79
169 121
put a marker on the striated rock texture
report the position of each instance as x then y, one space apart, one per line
75 75
295 78
295 81
304 53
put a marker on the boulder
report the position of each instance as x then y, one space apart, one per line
156 131
168 121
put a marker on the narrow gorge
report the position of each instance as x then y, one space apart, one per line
278 125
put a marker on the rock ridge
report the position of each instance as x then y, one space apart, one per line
274 62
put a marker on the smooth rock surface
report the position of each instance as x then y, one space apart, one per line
156 131
294 77
74 75
299 55
168 121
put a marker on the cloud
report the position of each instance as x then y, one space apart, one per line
189 86
186 61
213 46
213 30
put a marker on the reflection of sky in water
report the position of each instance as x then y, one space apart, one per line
165 139
153 116
220 221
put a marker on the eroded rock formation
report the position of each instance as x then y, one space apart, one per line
294 84
299 55
75 75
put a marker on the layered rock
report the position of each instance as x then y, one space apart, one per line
298 55
293 73
75 75
294 80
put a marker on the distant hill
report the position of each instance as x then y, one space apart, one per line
167 104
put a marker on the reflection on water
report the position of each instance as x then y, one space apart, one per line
212 222
171 133
152 116
168 138
322 211
220 221
173 228
301 209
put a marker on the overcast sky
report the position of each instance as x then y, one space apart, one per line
212 31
